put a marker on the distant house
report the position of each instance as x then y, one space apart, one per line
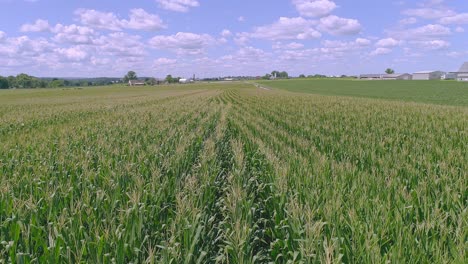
395 76
449 76
370 76
183 81
136 83
462 74
428 75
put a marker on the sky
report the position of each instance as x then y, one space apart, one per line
210 38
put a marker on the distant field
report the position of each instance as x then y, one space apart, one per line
230 173
434 92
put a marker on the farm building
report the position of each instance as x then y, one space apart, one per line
428 75
136 83
462 74
449 76
395 76
370 76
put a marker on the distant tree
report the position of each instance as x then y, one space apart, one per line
57 83
150 81
4 83
169 79
267 77
275 74
302 76
25 81
131 75
283 75
11 81
389 71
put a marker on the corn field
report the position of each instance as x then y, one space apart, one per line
230 173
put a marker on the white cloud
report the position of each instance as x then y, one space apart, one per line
178 5
226 33
429 13
76 53
363 42
459 30
38 26
183 43
241 19
388 43
433 44
458 19
164 61
2 35
286 28
380 51
339 26
139 19
25 46
121 44
427 32
408 21
73 34
314 8
288 46
98 20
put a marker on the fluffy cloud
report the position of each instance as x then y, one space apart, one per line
314 8
73 34
458 19
380 51
121 44
39 26
183 43
288 46
2 36
226 33
459 30
339 26
363 42
74 53
429 13
427 32
178 5
286 28
433 44
388 43
98 20
164 61
408 21
139 19
25 46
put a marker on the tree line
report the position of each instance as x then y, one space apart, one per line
24 81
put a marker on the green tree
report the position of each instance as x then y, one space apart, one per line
56 83
25 81
131 75
302 76
283 75
11 81
4 83
169 79
389 71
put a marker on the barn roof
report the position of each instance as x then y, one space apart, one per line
425 72
464 67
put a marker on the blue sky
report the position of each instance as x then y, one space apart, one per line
230 37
